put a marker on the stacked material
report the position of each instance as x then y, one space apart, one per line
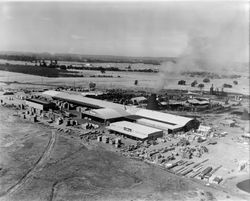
99 138
105 139
59 121
217 179
205 172
189 152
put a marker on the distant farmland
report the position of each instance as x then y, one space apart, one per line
38 70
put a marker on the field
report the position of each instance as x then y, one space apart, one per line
150 81
37 70
166 78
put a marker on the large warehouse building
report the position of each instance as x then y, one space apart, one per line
78 99
167 122
134 130
104 111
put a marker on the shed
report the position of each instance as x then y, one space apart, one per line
140 99
228 122
134 130
204 129
198 102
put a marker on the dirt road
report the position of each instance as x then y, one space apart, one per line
36 168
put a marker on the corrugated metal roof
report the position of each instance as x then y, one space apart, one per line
85 100
132 110
133 129
43 102
107 113
160 116
195 101
93 93
157 124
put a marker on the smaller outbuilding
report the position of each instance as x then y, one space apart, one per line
198 102
134 130
139 100
228 122
204 129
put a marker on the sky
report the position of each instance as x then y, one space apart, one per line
156 29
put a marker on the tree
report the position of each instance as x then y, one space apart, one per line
136 82
181 82
102 70
201 86
92 85
206 80
135 102
235 82
63 67
194 83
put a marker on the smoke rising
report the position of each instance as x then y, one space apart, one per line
214 43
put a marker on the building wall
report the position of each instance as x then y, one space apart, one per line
193 124
93 118
126 135
155 135
35 105
100 119
133 136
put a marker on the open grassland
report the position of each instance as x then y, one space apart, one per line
126 80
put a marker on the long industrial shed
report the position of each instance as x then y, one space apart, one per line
108 111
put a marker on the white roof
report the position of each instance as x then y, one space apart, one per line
92 93
138 99
191 93
107 113
169 119
157 124
162 117
85 100
195 101
133 129
204 128
51 93
227 121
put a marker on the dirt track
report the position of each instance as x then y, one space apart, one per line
36 168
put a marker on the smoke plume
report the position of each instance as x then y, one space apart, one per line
215 45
